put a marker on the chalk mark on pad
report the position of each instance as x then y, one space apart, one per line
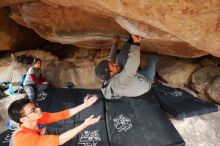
176 93
122 123
41 96
90 138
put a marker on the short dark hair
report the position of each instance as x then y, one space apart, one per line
102 70
16 108
36 60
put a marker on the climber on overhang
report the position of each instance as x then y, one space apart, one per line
123 78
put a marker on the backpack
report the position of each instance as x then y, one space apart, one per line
22 80
25 59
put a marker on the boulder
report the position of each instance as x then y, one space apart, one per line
103 24
204 97
203 78
175 71
213 90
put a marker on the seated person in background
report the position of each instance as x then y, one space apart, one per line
34 82
123 78
28 115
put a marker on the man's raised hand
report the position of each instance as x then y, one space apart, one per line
115 39
91 120
136 39
89 100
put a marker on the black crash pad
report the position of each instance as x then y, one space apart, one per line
149 124
62 99
44 99
5 137
124 129
146 100
59 99
139 121
95 135
96 109
181 104
157 128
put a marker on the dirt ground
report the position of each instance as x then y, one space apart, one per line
203 130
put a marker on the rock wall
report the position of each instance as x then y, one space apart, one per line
15 37
78 69
6 3
69 25
192 23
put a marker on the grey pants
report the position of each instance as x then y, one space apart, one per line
33 89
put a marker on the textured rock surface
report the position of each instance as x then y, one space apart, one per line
194 22
203 77
177 28
43 55
12 71
210 61
200 130
91 24
15 37
172 48
5 3
81 77
175 71
78 69
69 25
214 90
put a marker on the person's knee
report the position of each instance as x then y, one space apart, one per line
42 88
45 86
26 89
149 78
29 90
32 96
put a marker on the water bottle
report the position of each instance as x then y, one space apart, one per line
11 89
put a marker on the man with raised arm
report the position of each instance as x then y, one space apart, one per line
122 78
29 116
